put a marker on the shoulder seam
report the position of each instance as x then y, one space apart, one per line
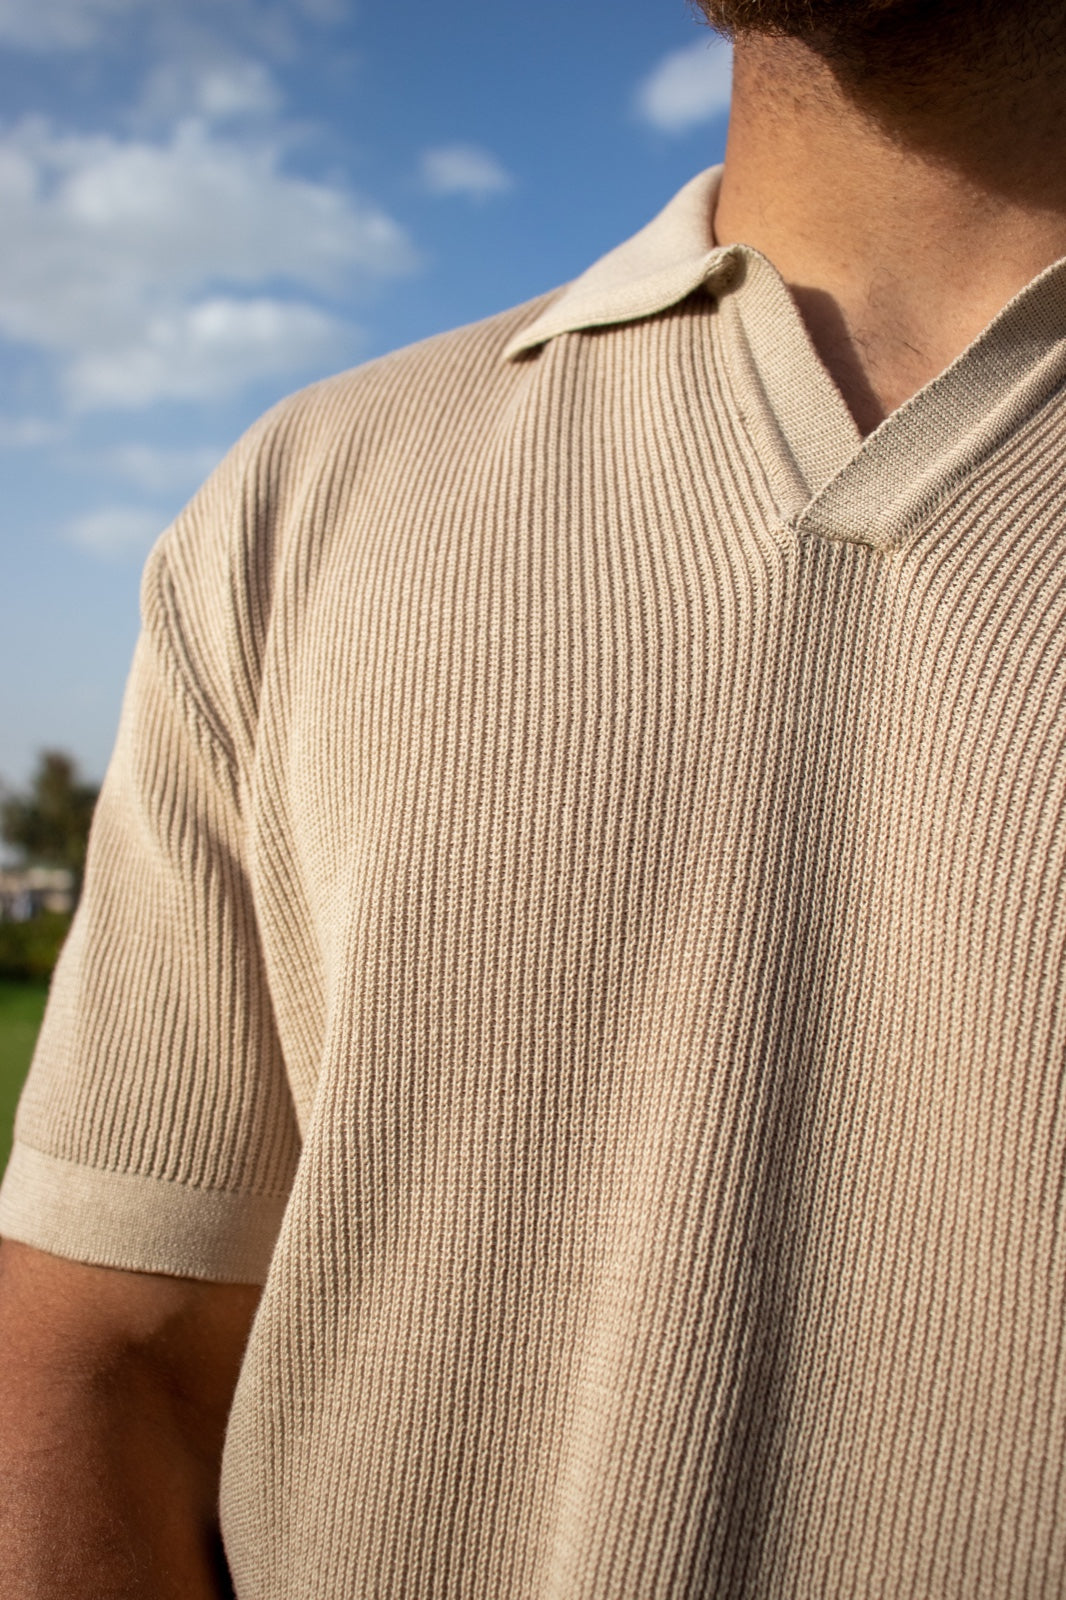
161 606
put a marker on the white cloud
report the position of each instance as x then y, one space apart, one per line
207 351
161 469
46 25
178 267
688 87
218 91
464 169
115 530
57 24
27 433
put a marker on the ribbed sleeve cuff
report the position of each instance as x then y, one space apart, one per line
110 1219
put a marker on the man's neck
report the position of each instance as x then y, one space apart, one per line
899 242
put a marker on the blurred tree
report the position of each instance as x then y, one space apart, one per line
49 824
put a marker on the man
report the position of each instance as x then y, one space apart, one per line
577 911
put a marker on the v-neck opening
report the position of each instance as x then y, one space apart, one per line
828 479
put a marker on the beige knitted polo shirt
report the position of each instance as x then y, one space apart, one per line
578 907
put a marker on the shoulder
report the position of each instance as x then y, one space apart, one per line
446 375
208 585
337 427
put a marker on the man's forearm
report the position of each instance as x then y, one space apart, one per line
115 1389
102 1499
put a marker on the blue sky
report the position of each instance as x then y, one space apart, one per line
208 203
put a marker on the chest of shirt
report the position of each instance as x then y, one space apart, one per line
562 764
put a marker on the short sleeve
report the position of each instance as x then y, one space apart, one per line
156 1129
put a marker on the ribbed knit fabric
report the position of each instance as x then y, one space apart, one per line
585 857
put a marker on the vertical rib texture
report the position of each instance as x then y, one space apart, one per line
650 911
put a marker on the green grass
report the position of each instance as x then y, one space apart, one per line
21 1006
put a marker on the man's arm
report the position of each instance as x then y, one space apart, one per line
115 1388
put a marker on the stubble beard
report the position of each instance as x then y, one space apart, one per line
916 58
912 40
800 19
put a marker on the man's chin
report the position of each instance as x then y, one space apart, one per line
908 52
811 19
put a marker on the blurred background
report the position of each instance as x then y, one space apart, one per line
208 203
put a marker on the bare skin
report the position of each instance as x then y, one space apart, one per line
115 1388
901 230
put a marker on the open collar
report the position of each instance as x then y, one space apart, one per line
831 481
656 268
